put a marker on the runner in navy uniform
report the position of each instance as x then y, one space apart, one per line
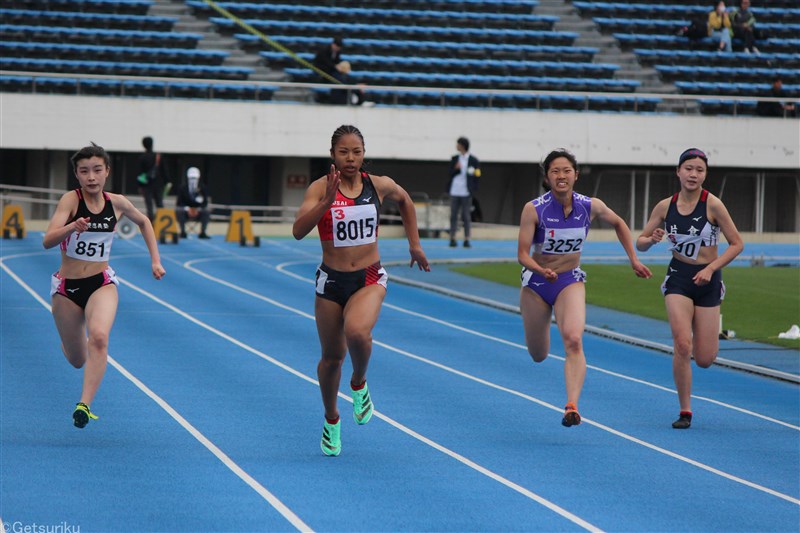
556 225
84 290
350 282
693 290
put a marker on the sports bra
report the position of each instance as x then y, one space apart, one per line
94 244
352 221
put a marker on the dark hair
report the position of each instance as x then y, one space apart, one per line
147 142
691 153
338 41
552 156
463 141
87 152
343 130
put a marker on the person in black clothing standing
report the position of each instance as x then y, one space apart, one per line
151 172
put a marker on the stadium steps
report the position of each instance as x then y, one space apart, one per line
214 41
609 50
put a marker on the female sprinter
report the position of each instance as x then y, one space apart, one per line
556 225
693 289
350 282
84 290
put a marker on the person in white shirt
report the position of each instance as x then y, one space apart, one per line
464 173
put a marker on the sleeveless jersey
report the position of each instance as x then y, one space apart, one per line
352 221
688 233
556 234
93 244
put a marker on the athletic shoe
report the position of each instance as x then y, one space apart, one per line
331 443
684 421
571 416
453 243
362 404
467 244
81 415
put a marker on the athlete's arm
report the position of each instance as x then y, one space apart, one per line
653 232
719 216
606 214
388 188
317 200
527 226
58 229
126 208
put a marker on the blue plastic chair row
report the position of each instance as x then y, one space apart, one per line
295 41
684 57
383 30
134 69
137 87
289 11
734 74
790 45
734 89
412 62
103 52
636 10
137 7
476 81
31 33
670 26
78 18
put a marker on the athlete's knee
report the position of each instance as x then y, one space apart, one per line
683 347
537 354
358 337
76 359
704 361
573 342
98 341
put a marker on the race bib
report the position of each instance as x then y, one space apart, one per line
354 225
685 245
90 246
563 240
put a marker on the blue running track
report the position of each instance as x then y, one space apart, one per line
210 414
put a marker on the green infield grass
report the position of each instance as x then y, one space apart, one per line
760 302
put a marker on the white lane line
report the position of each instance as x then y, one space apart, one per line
715 471
471 464
282 268
279 506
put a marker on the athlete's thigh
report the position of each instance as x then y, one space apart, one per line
101 310
363 307
536 314
706 334
570 310
680 312
330 327
70 323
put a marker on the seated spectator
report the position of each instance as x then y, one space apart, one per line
327 59
719 27
744 27
192 203
776 109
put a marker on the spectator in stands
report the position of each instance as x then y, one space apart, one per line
719 26
744 27
151 172
773 108
690 221
327 59
465 169
329 56
697 30
192 203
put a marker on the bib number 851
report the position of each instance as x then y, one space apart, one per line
90 249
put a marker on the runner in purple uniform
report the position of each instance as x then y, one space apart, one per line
556 225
